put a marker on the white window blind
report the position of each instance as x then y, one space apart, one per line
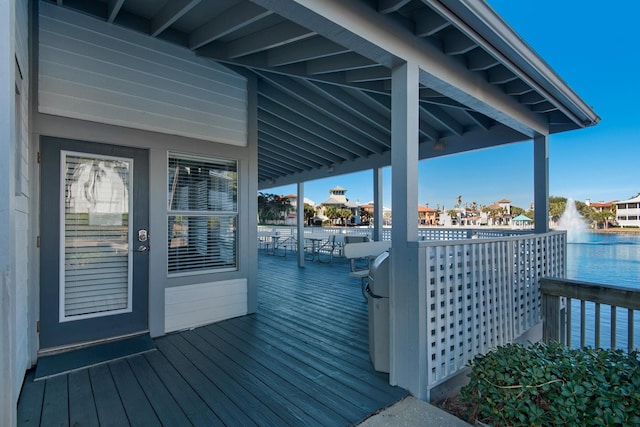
202 213
96 275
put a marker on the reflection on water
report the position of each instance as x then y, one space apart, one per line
612 259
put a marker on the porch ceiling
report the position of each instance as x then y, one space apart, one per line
324 88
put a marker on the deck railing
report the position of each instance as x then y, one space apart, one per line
424 233
483 293
609 308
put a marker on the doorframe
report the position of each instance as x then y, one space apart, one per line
141 218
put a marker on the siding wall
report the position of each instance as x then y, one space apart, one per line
104 73
14 209
130 89
196 305
25 319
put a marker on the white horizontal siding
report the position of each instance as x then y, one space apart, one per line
21 193
196 305
94 71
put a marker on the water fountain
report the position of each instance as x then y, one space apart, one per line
573 223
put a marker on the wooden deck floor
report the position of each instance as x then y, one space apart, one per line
302 360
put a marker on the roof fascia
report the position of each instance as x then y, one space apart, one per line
482 24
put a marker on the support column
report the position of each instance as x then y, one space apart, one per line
252 196
378 207
541 183
300 222
406 311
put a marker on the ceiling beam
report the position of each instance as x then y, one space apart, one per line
290 150
367 74
113 8
361 106
500 75
298 129
531 98
304 50
298 117
269 38
389 6
284 135
516 87
365 31
342 62
314 99
443 118
456 43
279 163
428 23
482 121
322 119
233 19
479 60
170 13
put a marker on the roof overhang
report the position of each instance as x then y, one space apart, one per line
323 72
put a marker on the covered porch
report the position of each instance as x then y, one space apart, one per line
301 359
274 92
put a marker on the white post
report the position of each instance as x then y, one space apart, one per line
407 311
541 183
300 218
378 207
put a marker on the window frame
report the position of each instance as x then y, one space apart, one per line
218 214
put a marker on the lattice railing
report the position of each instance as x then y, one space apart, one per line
483 293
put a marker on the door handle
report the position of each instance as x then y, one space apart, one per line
143 248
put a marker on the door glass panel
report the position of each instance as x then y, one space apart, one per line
97 269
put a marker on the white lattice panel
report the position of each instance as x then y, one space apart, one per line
483 293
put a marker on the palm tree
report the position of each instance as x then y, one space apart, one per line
309 213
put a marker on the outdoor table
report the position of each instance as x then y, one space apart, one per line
274 237
315 245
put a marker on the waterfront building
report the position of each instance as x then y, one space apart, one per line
628 212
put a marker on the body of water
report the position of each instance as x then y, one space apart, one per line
612 259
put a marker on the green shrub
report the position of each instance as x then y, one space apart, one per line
552 385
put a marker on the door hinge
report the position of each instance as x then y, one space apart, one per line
38 157
38 242
38 326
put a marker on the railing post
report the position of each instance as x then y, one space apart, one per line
553 322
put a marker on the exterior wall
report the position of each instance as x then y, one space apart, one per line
204 110
190 306
628 213
98 72
14 200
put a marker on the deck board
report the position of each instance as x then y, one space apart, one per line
109 407
82 406
302 359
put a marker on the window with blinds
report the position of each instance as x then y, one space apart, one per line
96 263
202 214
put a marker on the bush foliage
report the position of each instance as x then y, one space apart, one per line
552 385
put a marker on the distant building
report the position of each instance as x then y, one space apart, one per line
292 216
503 215
601 206
522 222
427 215
338 199
628 212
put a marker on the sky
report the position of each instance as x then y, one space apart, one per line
594 49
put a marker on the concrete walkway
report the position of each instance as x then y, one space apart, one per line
411 412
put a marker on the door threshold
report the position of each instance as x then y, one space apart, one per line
70 347
87 356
